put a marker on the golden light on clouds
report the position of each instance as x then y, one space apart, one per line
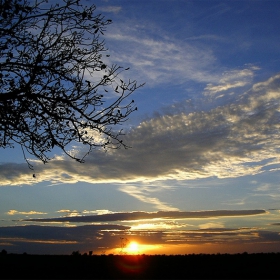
15 212
146 226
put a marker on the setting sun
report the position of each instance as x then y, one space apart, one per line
133 247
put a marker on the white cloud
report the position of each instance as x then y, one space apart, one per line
16 212
232 140
65 211
70 213
232 79
97 212
74 213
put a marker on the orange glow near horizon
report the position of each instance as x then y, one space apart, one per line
135 248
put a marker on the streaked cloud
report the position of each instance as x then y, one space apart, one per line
132 216
70 213
60 240
52 232
107 238
73 213
155 225
144 194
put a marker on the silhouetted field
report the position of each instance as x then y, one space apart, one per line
221 266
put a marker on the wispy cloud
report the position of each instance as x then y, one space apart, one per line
232 79
144 194
109 9
159 59
240 201
270 190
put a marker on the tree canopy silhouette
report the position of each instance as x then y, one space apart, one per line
55 85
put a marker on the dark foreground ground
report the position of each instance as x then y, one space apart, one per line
240 266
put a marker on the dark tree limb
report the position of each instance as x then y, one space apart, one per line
55 88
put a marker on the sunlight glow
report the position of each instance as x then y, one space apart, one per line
133 248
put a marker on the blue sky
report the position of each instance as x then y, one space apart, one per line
205 141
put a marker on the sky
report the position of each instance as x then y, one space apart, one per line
203 172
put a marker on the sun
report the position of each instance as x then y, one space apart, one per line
133 247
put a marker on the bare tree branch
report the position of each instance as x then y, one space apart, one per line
55 87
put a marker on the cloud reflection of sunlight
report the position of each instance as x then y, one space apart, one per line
154 226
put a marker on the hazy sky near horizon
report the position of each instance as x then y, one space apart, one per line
203 172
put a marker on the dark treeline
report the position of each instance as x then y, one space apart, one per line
87 266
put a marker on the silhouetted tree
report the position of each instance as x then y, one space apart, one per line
124 242
3 252
76 253
55 83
